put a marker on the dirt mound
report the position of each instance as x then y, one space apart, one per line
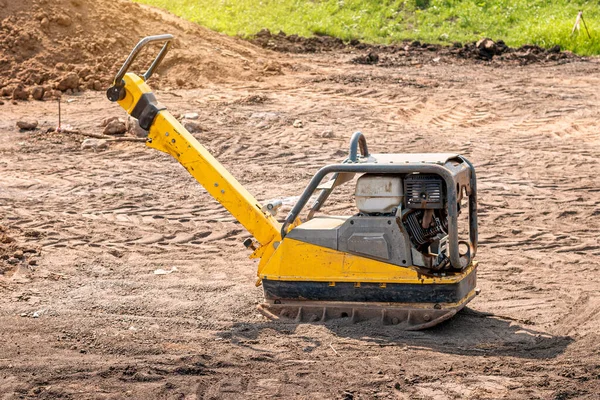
72 45
299 44
411 52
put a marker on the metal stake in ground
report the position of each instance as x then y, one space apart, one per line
576 26
58 127
585 26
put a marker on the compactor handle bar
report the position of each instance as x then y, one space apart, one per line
116 92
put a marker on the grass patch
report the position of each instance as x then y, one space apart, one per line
542 22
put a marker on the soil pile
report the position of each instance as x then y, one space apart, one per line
73 45
413 52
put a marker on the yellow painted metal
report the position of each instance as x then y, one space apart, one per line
135 87
291 260
299 261
168 135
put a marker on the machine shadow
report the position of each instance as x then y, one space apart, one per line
469 333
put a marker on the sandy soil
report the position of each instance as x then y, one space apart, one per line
49 47
91 320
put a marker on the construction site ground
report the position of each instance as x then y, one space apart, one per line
83 313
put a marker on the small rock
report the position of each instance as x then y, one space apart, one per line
180 82
327 134
45 23
297 124
64 20
272 66
20 93
84 72
37 93
27 125
135 129
191 116
192 126
70 81
98 85
115 127
108 120
487 47
161 271
95 144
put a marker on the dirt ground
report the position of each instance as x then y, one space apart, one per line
83 315
49 47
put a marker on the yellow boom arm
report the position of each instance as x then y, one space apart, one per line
168 135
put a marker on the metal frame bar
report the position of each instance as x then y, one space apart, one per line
136 50
358 140
473 233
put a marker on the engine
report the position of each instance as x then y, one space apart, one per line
419 205
408 212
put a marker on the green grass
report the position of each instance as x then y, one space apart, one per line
542 22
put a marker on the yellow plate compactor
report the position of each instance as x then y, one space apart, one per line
397 259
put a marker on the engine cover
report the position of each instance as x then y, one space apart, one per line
424 191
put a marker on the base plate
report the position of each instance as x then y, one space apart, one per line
405 316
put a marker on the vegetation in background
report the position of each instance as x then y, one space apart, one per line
517 22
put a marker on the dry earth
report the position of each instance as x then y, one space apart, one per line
49 47
90 319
